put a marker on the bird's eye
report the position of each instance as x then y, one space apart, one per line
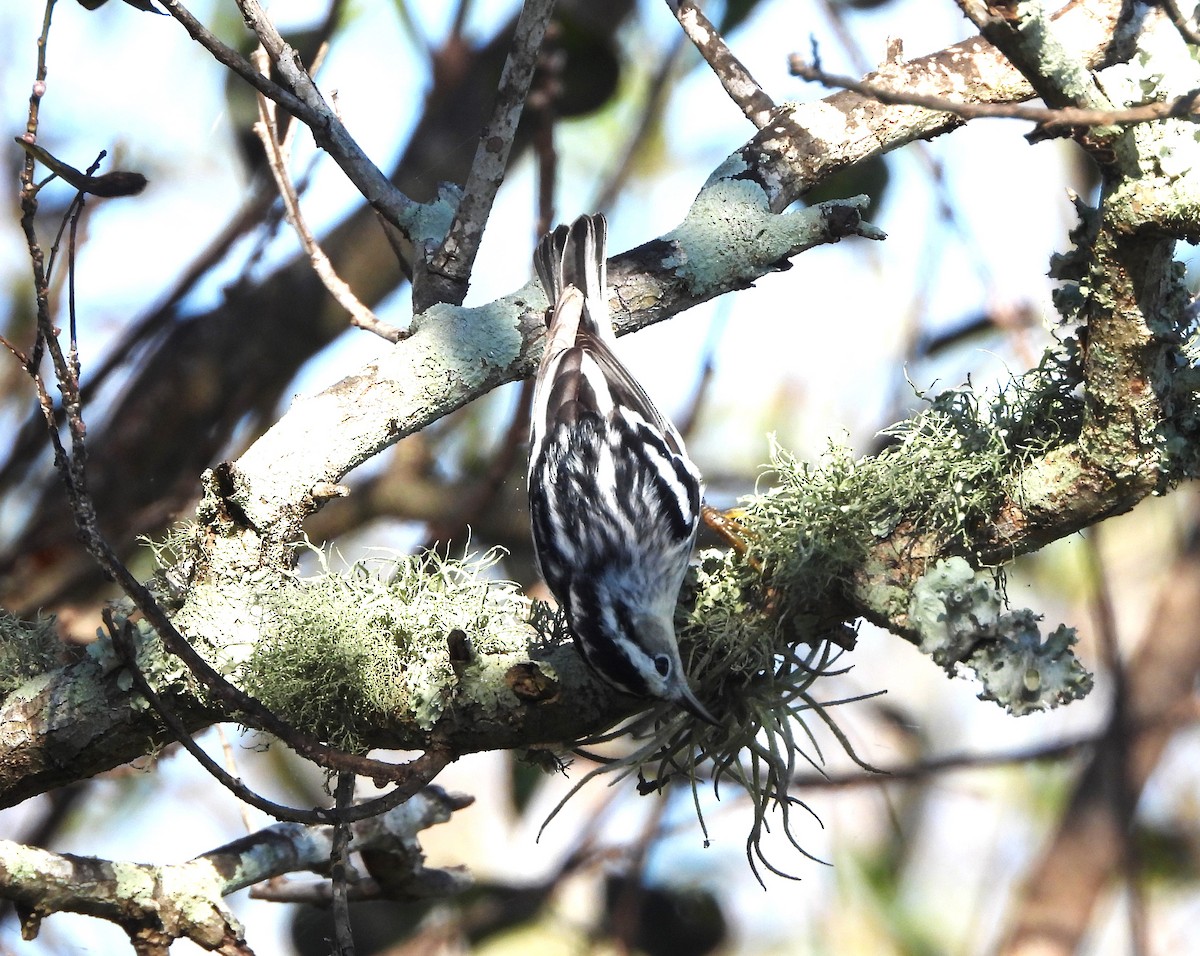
662 664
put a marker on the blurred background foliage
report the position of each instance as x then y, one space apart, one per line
199 318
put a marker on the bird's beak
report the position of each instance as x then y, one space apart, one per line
689 702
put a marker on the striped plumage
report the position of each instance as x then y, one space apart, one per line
614 498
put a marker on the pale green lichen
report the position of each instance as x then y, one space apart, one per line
959 616
1024 671
160 668
944 472
430 221
730 232
951 606
27 649
458 336
344 653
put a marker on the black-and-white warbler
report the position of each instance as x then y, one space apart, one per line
614 498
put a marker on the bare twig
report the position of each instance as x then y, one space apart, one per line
1055 906
307 105
652 109
26 442
1180 107
445 276
28 190
232 769
188 898
542 107
339 869
277 153
1119 737
742 88
1031 41
1186 29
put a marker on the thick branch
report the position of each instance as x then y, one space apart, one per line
185 900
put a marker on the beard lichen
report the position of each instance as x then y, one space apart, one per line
344 653
27 649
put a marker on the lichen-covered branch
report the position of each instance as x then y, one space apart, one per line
807 142
1026 34
456 354
742 88
156 904
1124 303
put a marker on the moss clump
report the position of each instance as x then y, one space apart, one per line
345 653
943 472
27 648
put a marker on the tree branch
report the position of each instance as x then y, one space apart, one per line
742 88
304 101
161 903
448 272
1181 107
267 130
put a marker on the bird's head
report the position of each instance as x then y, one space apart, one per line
659 665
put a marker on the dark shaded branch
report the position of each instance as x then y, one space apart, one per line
446 275
1054 908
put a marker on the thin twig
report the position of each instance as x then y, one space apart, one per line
1182 24
652 109
267 130
542 106
461 12
931 161
1181 107
28 190
742 88
447 273
25 441
949 762
1119 738
307 105
339 866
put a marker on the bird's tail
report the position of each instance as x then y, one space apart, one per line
576 256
